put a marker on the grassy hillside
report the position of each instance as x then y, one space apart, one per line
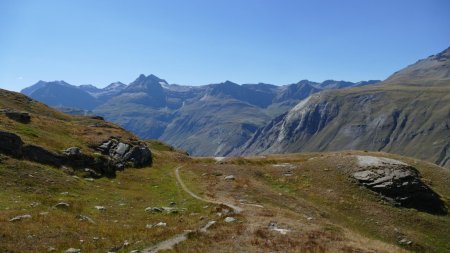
35 189
52 129
310 195
289 203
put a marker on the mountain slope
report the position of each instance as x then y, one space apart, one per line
141 107
220 116
204 120
406 114
213 126
298 202
432 70
61 94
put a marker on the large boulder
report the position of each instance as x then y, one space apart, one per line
10 144
116 155
139 156
397 182
22 117
136 154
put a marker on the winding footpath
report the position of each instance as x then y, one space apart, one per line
235 208
169 243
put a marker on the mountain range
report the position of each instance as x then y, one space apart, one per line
203 120
408 113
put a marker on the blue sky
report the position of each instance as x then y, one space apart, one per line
202 41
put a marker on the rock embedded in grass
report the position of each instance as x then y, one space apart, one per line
20 217
398 182
230 178
85 218
229 219
22 117
100 208
405 241
10 143
170 210
159 224
274 227
154 209
73 250
62 205
116 155
138 154
72 151
92 173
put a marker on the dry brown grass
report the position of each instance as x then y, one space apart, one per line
345 217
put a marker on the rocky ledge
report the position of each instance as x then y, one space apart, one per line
397 182
116 155
22 117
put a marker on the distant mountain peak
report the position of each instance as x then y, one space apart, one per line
115 85
442 56
229 82
41 84
304 81
146 83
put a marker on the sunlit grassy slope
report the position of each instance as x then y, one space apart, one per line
322 209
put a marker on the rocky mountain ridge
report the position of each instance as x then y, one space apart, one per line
408 114
154 109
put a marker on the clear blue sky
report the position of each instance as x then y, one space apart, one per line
207 41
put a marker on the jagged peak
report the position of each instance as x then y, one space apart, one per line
228 82
444 55
146 83
434 68
149 78
115 85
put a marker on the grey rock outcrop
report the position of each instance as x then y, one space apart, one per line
73 250
62 205
20 217
137 154
10 143
42 155
73 151
117 155
22 117
399 183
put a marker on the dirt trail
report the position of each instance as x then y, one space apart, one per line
235 208
169 243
